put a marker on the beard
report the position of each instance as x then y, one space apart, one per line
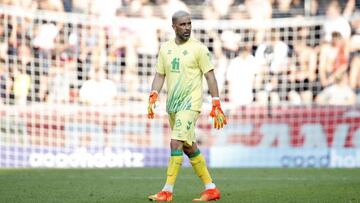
185 37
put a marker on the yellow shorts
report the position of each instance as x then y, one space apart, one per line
182 126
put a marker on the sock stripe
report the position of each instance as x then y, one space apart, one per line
177 152
195 154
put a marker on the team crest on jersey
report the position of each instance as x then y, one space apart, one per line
185 52
209 55
169 51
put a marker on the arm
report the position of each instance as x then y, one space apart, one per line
354 72
349 8
212 84
216 111
158 82
312 65
323 64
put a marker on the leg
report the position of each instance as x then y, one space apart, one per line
199 165
174 165
182 125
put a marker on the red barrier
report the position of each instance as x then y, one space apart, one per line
294 126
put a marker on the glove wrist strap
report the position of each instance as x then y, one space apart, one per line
154 92
216 101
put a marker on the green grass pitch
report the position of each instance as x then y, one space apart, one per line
135 184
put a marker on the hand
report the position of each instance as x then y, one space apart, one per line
218 115
152 103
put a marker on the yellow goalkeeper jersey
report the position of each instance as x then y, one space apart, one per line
184 66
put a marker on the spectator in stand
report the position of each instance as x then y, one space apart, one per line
105 11
335 22
282 9
303 73
13 40
240 76
259 11
355 58
98 90
81 6
169 7
313 7
355 75
339 93
209 13
318 7
333 60
221 8
26 60
4 51
22 83
349 8
44 46
60 80
92 38
135 7
147 43
29 5
220 59
92 42
122 57
44 43
298 7
6 83
272 55
230 43
51 5
2 30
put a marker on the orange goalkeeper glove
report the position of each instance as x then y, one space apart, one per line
152 103
217 114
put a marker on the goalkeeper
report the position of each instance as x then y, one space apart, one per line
183 61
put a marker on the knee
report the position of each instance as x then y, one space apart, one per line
176 144
190 151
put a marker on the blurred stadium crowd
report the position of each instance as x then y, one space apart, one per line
110 58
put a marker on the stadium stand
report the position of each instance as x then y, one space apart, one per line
289 63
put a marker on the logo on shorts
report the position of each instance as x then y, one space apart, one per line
177 123
189 124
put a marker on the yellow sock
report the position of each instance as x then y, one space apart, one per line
199 165
174 166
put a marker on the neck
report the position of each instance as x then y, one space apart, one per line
180 41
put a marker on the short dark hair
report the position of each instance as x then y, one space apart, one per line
179 14
336 35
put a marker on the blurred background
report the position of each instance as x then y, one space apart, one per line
75 77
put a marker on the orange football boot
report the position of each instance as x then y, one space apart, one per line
162 196
208 195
